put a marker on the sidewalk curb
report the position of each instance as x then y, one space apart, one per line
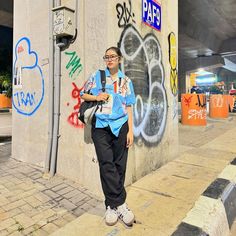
5 110
215 210
5 138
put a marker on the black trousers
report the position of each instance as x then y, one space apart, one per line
112 158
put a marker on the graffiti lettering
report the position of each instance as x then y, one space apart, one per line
74 65
218 101
28 79
73 117
143 65
25 99
124 14
74 121
197 114
173 63
187 101
201 103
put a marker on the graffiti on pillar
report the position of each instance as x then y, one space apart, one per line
187 100
74 65
28 80
194 106
217 101
200 112
125 14
74 68
143 65
197 114
173 63
173 71
201 103
73 117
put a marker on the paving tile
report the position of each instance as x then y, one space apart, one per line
40 232
34 202
17 233
60 222
69 217
77 198
43 215
8 214
78 211
67 204
3 201
65 190
72 193
24 220
30 230
50 228
93 202
6 223
59 187
14 205
85 206
42 197
13 228
51 194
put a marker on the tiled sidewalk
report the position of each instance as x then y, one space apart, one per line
32 205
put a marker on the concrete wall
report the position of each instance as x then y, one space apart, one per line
102 24
30 89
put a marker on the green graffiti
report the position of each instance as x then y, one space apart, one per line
74 65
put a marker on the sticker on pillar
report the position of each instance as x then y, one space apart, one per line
151 14
28 81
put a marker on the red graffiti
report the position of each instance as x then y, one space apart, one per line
73 117
76 95
187 101
20 49
74 121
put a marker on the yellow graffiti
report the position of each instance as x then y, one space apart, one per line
173 64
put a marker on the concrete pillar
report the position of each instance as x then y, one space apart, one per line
147 62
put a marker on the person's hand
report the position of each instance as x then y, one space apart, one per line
130 139
102 97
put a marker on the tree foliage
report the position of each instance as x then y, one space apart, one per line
6 83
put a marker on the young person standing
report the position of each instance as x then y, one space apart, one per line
112 133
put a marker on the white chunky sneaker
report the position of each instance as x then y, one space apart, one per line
111 216
125 214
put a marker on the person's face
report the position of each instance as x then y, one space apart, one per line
111 59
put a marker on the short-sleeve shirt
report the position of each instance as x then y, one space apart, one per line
113 112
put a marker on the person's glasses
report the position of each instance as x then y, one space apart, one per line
110 58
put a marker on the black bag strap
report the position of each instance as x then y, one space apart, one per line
103 80
119 82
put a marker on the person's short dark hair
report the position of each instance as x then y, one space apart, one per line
116 49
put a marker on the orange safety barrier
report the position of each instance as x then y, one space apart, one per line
193 109
231 100
219 106
5 102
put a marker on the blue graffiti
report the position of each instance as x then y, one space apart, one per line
25 99
29 89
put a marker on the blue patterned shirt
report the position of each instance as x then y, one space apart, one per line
113 112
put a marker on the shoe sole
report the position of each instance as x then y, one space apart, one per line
129 225
110 224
